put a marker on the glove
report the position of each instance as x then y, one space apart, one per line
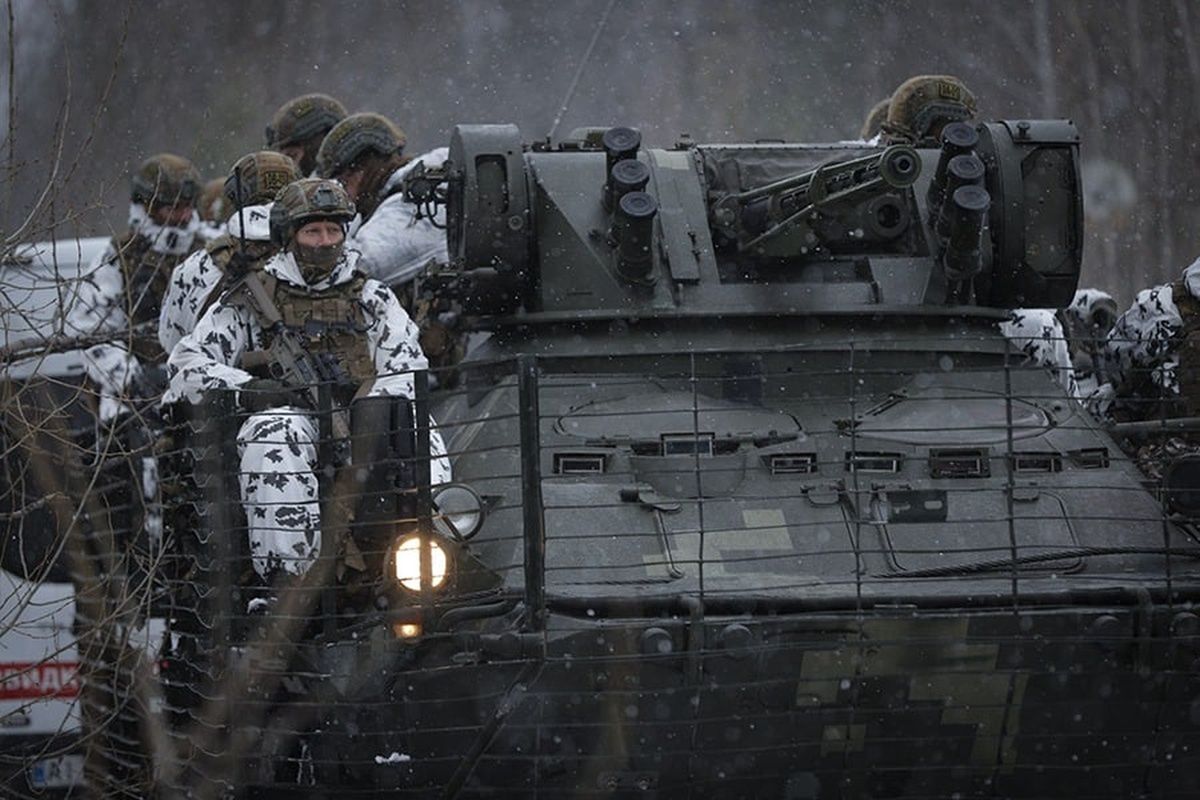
261 394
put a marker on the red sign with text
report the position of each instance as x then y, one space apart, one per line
20 681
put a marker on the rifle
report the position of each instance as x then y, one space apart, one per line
292 362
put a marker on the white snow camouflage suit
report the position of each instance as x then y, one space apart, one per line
1038 334
278 448
1140 359
105 301
396 247
1085 340
102 302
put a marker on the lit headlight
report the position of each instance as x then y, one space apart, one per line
407 560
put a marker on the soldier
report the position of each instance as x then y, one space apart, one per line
923 105
341 315
365 153
1087 321
1038 334
123 289
197 282
1151 358
873 124
300 125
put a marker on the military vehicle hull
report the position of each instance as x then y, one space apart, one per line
770 505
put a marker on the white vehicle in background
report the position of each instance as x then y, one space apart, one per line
39 662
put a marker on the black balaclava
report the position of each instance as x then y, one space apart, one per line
316 263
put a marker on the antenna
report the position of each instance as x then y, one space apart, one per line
241 204
579 71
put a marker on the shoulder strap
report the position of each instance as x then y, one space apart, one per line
255 292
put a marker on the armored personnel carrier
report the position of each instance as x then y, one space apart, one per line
751 498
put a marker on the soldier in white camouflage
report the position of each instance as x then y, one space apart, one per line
118 297
365 153
213 209
339 313
1038 335
1151 358
244 243
122 290
1087 321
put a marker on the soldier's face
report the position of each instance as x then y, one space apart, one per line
297 153
177 215
320 234
351 181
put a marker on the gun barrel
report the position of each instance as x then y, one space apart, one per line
1151 427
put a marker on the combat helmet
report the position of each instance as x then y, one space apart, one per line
257 177
922 105
354 137
213 203
308 200
873 124
165 180
303 118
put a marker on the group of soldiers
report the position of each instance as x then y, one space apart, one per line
1142 364
308 240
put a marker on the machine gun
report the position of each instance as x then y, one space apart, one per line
758 215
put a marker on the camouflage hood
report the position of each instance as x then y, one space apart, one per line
284 267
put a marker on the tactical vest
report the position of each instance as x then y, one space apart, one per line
1188 371
146 275
330 322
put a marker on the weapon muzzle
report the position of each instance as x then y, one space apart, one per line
633 228
965 214
626 176
958 139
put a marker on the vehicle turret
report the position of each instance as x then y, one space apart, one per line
605 226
